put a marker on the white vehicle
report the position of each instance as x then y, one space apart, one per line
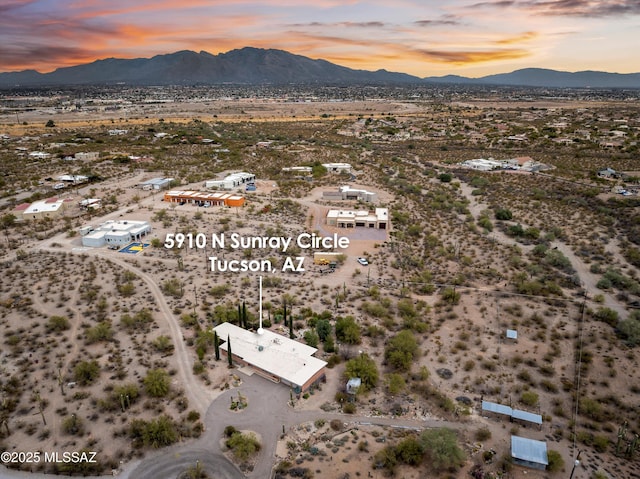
363 261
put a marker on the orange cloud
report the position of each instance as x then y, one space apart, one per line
524 37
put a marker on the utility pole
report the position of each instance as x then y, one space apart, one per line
575 464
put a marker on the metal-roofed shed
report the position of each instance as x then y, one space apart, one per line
529 452
497 408
527 416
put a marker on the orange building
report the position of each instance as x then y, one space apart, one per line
204 199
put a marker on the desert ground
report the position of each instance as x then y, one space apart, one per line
99 346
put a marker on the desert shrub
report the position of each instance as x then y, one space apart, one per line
450 295
349 408
58 324
100 332
156 433
243 446
156 383
139 321
395 383
162 344
558 260
529 398
503 214
336 424
556 463
629 329
219 291
86 372
442 450
172 287
73 426
592 409
606 315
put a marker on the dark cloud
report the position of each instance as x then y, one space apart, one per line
447 20
496 4
584 8
576 8
339 24
20 54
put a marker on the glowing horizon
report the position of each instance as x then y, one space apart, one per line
461 37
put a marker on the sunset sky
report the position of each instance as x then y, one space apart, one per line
420 37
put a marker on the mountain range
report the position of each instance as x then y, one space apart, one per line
256 66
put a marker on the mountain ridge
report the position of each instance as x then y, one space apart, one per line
257 66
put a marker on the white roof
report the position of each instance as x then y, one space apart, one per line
125 225
379 214
336 165
271 352
43 206
117 234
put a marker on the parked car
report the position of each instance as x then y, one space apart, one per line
363 261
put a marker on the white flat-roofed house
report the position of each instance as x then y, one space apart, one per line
348 193
117 233
273 356
378 219
337 167
73 179
91 203
231 181
482 164
49 208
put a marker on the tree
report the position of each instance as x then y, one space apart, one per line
86 372
401 350
442 450
311 338
216 345
347 330
323 328
7 220
365 368
229 356
50 124
156 383
445 177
